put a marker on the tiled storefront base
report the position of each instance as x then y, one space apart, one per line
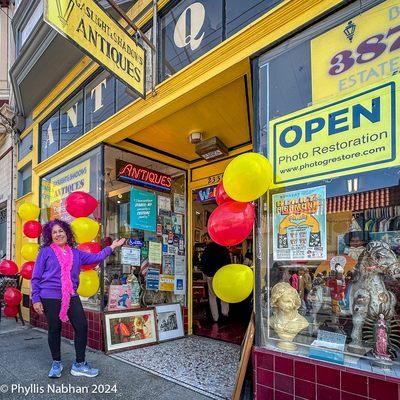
95 327
95 330
280 376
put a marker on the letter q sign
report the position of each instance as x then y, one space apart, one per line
191 19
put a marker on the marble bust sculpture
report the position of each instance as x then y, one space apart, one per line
286 321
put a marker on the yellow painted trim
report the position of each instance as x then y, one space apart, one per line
26 160
24 198
189 250
147 17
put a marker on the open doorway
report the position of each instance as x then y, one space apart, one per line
211 317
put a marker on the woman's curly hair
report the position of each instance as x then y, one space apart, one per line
47 239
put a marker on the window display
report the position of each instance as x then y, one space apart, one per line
329 235
145 204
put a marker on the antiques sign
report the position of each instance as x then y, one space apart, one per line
141 176
90 28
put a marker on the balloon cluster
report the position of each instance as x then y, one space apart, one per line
80 205
12 296
246 178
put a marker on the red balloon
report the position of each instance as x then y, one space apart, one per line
80 204
8 267
10 311
32 229
220 194
27 270
89 247
230 223
12 296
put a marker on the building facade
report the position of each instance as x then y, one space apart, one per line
283 78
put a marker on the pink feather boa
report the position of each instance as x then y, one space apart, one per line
65 260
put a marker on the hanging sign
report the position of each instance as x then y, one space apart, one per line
361 52
143 210
141 176
91 29
347 135
299 225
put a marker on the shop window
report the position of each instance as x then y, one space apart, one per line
82 174
241 13
188 31
25 180
50 136
146 203
99 100
72 120
330 252
25 146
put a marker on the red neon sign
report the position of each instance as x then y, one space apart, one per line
142 176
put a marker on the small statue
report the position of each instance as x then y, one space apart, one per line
286 320
381 346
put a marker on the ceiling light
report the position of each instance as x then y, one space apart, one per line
195 137
211 149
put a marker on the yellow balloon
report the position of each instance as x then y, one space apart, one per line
89 283
29 251
85 229
28 211
247 177
233 283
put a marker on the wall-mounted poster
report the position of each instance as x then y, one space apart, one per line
299 225
130 256
179 203
168 265
167 283
152 279
155 249
119 297
143 210
177 223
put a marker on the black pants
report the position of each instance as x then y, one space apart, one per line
78 320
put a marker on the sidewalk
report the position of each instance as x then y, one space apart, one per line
25 361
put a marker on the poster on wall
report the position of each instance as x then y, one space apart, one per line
299 225
180 284
155 250
177 223
163 205
362 51
179 203
130 256
152 279
119 297
167 283
168 265
143 210
180 265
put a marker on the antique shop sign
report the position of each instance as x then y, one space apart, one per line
299 225
141 176
90 28
347 135
143 210
362 51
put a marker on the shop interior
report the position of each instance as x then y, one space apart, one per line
230 327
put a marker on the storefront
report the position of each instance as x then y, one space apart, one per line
334 195
327 286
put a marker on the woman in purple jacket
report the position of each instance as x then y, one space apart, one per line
54 282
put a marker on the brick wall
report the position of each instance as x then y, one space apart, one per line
280 376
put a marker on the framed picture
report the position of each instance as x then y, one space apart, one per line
129 329
198 219
169 321
119 297
196 235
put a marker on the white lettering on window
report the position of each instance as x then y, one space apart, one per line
97 93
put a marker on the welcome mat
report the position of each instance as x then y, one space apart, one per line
201 364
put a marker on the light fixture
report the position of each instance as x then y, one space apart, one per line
195 137
211 149
119 196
